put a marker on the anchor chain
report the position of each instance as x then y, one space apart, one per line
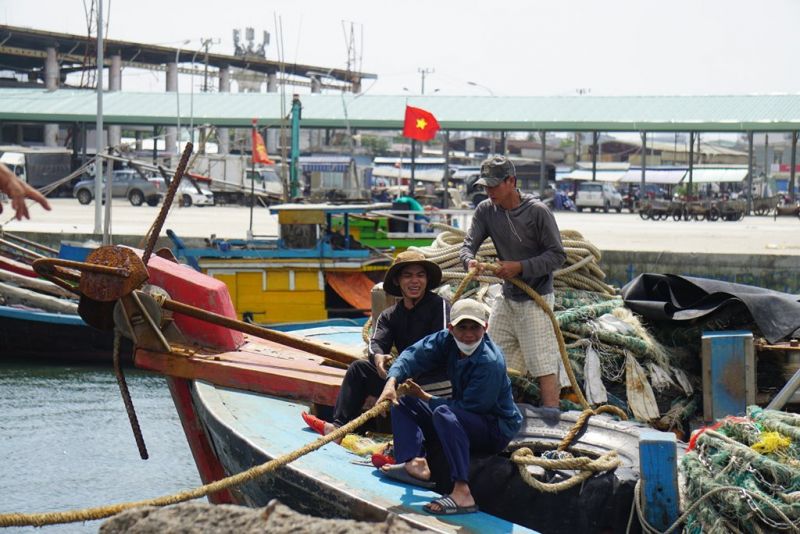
168 198
127 400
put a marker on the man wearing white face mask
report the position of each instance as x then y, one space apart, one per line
480 417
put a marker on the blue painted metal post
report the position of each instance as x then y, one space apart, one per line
346 231
728 373
659 469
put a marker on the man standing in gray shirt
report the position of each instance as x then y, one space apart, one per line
528 244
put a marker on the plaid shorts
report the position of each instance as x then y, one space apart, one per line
525 334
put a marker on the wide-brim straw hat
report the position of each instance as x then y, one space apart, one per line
404 259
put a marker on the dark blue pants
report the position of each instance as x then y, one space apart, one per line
458 431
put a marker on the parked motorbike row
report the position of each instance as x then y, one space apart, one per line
713 210
710 210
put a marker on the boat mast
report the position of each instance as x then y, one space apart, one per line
293 182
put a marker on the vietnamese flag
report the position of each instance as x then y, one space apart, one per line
259 148
420 124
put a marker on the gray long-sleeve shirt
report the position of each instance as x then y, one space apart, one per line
528 234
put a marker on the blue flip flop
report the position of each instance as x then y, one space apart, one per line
447 506
398 472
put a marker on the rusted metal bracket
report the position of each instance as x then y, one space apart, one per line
138 316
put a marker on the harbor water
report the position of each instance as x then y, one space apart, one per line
66 443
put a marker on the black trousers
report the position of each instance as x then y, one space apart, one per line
360 381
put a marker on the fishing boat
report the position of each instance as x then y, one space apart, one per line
309 272
240 396
31 333
394 230
38 319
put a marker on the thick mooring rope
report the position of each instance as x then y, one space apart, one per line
587 467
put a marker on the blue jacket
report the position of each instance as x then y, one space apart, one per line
480 382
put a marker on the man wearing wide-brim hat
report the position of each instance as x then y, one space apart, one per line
418 313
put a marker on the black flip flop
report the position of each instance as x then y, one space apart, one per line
398 472
447 506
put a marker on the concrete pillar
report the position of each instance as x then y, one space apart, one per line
273 132
52 77
115 84
223 136
272 82
51 70
314 136
171 137
138 136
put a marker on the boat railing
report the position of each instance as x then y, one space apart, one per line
419 223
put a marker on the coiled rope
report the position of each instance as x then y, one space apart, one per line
586 467
581 270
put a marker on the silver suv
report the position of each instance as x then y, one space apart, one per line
125 183
594 195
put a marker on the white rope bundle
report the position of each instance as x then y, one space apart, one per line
581 269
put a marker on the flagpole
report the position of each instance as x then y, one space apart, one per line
252 180
413 165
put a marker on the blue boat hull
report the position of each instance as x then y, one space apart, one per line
36 334
246 429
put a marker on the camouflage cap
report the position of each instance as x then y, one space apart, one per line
494 170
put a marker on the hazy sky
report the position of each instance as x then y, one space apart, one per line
531 47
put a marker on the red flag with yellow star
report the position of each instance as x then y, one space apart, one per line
259 148
420 124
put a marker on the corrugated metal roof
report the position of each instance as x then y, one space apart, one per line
425 175
710 176
604 165
654 176
584 174
477 113
682 147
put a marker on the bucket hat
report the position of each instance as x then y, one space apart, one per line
404 259
494 170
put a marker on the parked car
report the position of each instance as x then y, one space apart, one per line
594 195
198 195
126 183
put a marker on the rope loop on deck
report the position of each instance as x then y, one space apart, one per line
586 468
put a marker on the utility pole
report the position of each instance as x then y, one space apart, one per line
422 73
205 43
99 145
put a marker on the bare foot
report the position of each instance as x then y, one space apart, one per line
417 468
328 428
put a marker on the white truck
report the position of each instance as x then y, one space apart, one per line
232 178
39 166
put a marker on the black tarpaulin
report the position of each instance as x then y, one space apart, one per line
682 298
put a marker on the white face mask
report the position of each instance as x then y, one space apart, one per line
467 349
